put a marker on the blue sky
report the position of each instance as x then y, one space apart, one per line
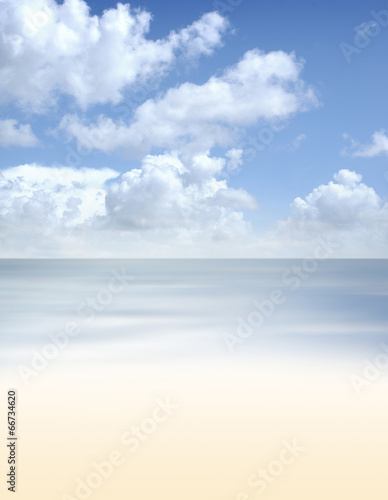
68 75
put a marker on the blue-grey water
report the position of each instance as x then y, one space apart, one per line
190 307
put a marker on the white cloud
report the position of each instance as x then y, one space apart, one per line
345 202
48 48
170 200
174 206
14 134
235 159
266 86
346 210
378 146
169 192
39 198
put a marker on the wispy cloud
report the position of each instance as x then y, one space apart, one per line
378 146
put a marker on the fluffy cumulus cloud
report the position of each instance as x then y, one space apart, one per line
48 48
346 209
168 196
14 134
173 204
169 192
177 205
181 197
261 85
347 201
37 198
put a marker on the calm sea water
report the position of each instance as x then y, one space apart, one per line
189 307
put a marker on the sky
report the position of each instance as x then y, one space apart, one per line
210 129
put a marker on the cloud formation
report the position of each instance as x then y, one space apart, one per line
345 209
169 196
198 117
38 198
168 191
378 146
347 201
47 49
177 198
14 134
174 206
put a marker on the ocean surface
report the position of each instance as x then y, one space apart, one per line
191 306
253 353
